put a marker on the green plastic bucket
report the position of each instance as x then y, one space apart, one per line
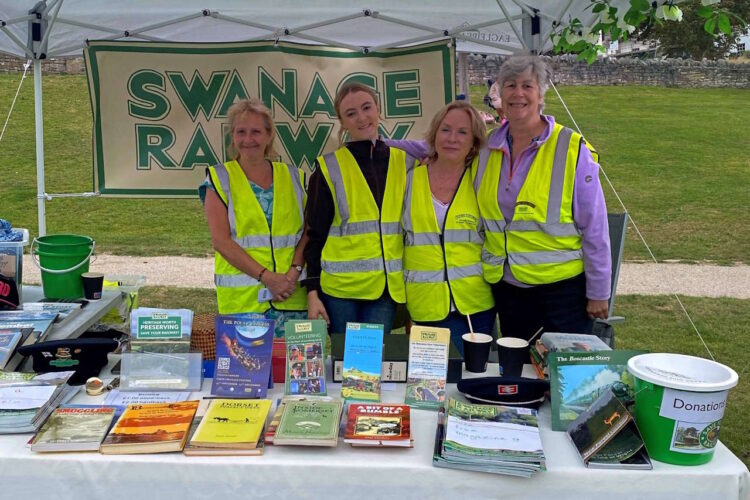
62 258
679 404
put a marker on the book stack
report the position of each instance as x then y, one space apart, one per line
9 339
562 342
34 327
74 429
309 423
486 438
150 428
382 425
65 310
27 399
229 427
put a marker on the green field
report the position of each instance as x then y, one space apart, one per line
678 158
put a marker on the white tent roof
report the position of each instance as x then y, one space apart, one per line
487 26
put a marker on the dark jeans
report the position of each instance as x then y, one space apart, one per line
482 322
341 311
557 307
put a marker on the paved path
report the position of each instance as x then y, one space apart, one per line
642 279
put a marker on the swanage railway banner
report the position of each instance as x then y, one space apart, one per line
160 109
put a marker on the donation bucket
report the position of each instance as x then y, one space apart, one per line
62 258
679 403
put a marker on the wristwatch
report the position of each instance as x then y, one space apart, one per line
298 268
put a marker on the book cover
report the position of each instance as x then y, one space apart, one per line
606 436
428 366
273 424
151 428
243 355
65 310
41 322
363 360
572 342
378 424
232 423
305 366
194 450
314 423
577 379
74 429
8 341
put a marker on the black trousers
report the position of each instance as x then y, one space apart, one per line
557 307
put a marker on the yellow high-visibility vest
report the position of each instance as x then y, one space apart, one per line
486 178
442 263
273 248
364 247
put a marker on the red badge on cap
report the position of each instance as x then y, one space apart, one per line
507 389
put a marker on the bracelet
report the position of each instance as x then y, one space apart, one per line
260 274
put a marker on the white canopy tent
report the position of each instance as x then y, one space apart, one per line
42 29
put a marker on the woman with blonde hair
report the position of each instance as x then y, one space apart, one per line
255 212
354 255
443 229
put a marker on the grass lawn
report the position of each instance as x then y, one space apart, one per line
676 156
653 323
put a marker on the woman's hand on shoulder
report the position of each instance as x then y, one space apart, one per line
315 307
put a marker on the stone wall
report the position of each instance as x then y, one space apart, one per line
627 71
566 70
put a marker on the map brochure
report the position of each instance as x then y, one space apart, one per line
428 366
243 355
363 362
577 379
606 436
305 362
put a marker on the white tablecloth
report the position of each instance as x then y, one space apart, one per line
352 473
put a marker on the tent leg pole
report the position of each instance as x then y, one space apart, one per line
38 118
463 75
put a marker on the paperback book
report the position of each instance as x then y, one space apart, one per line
577 379
40 322
309 423
27 399
9 339
428 367
378 425
74 429
573 342
363 360
305 366
243 355
150 428
232 423
606 436
65 310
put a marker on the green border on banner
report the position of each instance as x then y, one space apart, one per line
92 71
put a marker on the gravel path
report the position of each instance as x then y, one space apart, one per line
700 280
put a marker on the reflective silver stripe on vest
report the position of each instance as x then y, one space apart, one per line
422 239
491 259
299 192
484 156
494 225
254 241
558 175
390 228
351 266
223 176
289 241
550 257
459 272
412 276
462 236
394 266
235 280
353 228
553 229
334 173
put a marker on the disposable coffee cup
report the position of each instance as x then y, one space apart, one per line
476 351
512 353
92 285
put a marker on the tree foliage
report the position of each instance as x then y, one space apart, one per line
692 38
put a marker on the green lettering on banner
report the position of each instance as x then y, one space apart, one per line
236 91
147 103
318 100
399 130
303 147
199 151
402 94
198 95
169 327
285 95
152 143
